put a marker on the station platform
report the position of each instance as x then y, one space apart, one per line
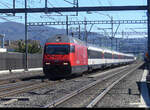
147 76
20 70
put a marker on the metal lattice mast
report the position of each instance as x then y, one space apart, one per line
26 38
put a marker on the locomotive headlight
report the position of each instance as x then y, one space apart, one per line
47 63
65 63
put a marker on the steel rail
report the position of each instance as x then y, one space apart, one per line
8 81
25 89
21 89
34 86
13 99
107 72
16 85
99 97
16 78
76 92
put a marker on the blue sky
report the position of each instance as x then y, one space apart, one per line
117 15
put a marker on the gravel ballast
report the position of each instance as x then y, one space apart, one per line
126 93
41 97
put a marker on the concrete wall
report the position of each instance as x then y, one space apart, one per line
17 61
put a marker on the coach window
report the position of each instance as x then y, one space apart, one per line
115 56
100 55
120 56
94 54
108 55
125 57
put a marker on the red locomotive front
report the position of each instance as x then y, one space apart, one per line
63 57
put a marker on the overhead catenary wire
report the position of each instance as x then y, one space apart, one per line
5 4
69 2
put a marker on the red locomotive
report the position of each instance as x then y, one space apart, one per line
64 55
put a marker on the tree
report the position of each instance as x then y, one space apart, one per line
32 48
21 47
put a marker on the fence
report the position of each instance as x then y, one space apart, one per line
17 61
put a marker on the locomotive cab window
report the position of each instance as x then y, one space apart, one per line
57 49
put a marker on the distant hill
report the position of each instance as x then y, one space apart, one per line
15 31
12 30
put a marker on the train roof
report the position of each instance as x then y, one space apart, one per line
91 47
60 38
95 48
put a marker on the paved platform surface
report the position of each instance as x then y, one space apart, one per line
19 70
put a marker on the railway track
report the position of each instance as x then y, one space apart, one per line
9 87
16 88
23 88
9 81
102 94
13 78
86 96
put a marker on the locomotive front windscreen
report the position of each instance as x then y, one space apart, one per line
57 49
